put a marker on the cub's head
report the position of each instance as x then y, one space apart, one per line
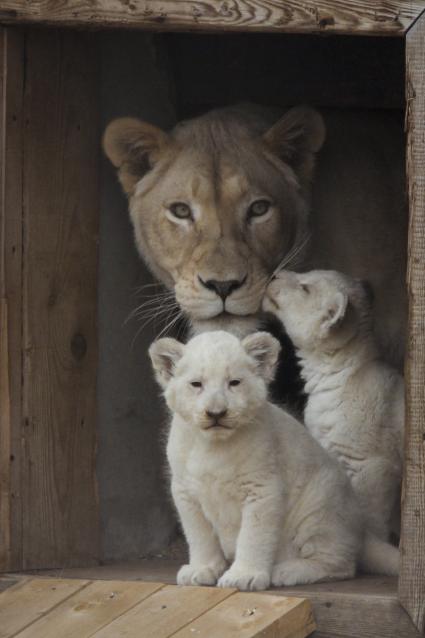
321 308
216 382
217 203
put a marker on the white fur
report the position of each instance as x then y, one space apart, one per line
355 406
259 500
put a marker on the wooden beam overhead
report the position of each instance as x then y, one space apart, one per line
363 17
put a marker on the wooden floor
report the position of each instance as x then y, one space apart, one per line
366 606
38 607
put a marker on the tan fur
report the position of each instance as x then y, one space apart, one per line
221 162
218 164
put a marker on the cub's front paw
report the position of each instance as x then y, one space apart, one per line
245 579
200 574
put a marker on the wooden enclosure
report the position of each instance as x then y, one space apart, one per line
54 87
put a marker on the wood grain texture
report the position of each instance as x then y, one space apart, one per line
11 161
253 615
90 609
48 608
412 576
164 613
60 518
29 600
366 606
381 17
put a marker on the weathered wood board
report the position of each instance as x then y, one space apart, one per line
412 576
47 608
48 352
11 184
367 606
380 17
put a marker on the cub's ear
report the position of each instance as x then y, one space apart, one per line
265 349
133 147
334 312
165 354
296 137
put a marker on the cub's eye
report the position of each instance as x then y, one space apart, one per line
196 384
181 210
234 382
258 208
305 288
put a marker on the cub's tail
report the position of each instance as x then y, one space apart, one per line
379 557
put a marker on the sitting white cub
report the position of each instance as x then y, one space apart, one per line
250 484
355 405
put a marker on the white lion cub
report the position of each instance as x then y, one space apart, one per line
250 484
355 405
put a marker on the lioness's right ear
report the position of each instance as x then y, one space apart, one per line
165 354
133 147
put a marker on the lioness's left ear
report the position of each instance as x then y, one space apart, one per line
296 137
265 349
164 354
334 312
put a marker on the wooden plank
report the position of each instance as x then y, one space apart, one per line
11 158
253 615
412 575
366 606
380 17
81 615
165 612
351 615
31 599
60 517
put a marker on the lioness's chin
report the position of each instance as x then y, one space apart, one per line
238 325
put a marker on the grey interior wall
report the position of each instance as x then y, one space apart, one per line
136 516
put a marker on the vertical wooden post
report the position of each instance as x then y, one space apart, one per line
11 165
49 347
60 230
412 575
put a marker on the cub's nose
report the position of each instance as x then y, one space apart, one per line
223 288
216 415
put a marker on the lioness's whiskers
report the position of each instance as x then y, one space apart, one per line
170 324
289 258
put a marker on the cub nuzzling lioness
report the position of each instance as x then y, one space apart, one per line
259 500
355 404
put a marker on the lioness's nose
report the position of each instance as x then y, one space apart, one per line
223 288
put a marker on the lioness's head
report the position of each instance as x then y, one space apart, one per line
216 382
217 203
320 309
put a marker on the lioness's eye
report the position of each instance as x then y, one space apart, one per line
196 384
258 208
234 382
181 210
305 287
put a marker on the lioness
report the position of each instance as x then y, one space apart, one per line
220 201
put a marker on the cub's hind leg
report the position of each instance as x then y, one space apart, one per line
303 571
